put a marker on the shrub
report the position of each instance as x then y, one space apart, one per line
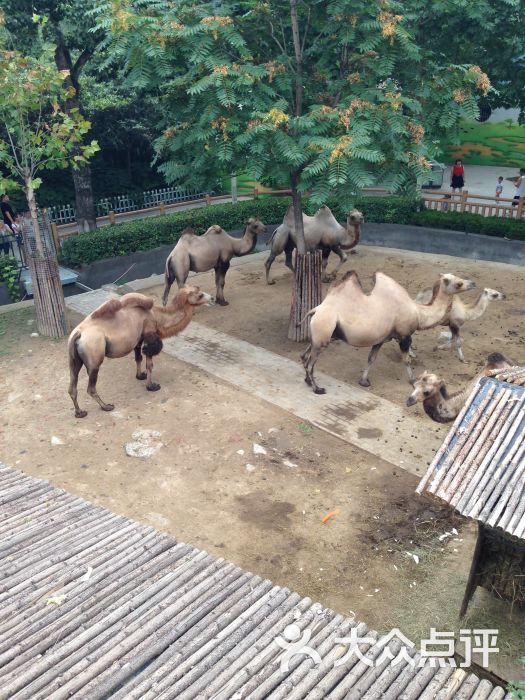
471 223
9 275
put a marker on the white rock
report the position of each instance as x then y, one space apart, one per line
258 449
287 463
34 335
240 452
56 441
144 444
250 467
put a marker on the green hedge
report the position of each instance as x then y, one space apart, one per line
145 234
9 275
471 223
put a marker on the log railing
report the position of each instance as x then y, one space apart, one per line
482 204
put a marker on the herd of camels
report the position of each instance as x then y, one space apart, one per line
134 322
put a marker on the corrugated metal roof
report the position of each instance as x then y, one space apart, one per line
480 468
94 605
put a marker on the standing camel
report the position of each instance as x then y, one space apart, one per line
460 313
441 406
320 231
119 326
369 320
214 249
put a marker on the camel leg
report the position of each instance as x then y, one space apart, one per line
138 359
220 278
309 367
404 345
343 257
326 254
288 255
75 365
169 278
92 390
364 381
458 342
150 385
305 358
268 265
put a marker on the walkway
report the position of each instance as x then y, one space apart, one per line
348 412
97 606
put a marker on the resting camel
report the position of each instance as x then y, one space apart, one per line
460 313
369 320
214 249
441 406
320 231
121 325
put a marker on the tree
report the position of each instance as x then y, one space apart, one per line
39 134
69 28
324 95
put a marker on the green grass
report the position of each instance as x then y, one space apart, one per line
500 143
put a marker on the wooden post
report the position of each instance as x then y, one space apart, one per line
520 208
307 293
464 197
473 577
207 199
112 219
234 189
256 193
162 208
56 239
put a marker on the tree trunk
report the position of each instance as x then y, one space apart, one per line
234 189
307 278
48 294
84 203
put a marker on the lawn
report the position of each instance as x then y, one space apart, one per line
499 143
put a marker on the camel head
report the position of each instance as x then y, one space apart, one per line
354 219
255 226
496 360
426 386
193 296
493 294
451 284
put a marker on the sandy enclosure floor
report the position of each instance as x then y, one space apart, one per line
267 517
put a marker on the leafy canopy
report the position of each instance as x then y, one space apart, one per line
355 100
35 132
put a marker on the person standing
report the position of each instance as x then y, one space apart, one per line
8 214
457 177
499 187
520 188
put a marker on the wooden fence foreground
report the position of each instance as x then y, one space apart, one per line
96 606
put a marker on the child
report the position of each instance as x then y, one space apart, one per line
499 187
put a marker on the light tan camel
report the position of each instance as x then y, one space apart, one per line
214 249
460 313
441 406
369 320
320 231
119 326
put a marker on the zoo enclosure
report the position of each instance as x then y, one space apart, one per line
501 207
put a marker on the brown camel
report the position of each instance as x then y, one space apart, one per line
119 326
214 249
441 406
369 320
460 313
320 231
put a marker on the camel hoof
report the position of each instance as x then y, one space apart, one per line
153 387
365 382
270 282
80 414
107 407
308 381
353 252
142 375
319 390
222 302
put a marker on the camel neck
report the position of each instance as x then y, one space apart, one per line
478 309
430 315
174 319
245 245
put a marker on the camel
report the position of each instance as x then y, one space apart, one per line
214 249
443 407
119 326
460 313
369 320
320 231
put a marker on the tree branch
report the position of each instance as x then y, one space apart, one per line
81 62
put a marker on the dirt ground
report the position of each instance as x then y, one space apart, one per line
266 517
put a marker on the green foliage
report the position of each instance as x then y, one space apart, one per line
126 238
9 275
471 223
489 143
518 690
230 85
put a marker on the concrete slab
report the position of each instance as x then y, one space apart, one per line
353 414
67 276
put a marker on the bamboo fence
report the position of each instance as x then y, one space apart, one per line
307 293
158 619
500 207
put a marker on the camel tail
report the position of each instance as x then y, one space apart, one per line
74 355
310 313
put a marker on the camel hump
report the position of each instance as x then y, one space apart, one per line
215 229
188 231
350 275
108 308
289 217
134 299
